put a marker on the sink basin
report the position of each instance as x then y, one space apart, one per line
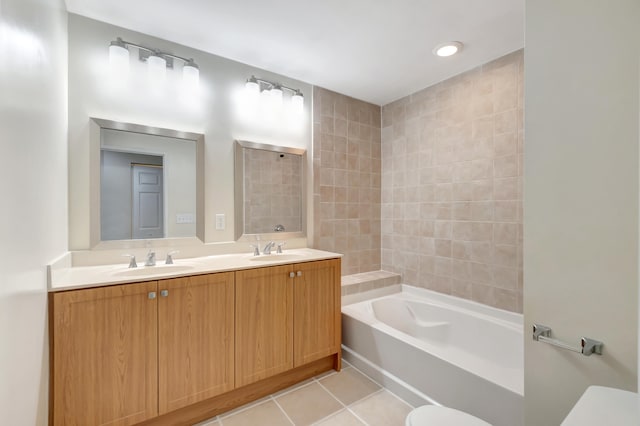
152 270
276 257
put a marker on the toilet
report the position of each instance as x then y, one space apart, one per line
433 415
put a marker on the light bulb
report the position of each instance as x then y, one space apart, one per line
118 56
297 102
276 94
156 69
252 86
447 49
191 74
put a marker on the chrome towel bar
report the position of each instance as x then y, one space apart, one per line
542 333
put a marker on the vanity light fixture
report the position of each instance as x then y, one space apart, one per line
156 60
275 91
447 49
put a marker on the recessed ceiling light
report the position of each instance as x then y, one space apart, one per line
447 49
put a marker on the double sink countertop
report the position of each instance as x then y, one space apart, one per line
96 276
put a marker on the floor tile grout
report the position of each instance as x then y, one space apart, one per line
316 379
239 410
382 386
343 404
282 409
292 388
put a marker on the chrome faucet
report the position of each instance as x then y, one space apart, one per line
268 247
151 259
132 260
169 259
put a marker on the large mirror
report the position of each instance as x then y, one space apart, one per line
269 186
150 182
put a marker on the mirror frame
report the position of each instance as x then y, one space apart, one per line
240 235
95 127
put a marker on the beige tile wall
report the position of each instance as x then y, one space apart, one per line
452 185
346 169
273 190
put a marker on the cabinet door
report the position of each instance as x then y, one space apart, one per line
264 322
196 339
316 310
104 350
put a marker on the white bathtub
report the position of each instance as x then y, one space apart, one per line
440 349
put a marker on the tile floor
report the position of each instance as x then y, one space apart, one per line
330 399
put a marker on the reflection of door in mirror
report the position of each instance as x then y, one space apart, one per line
131 193
147 201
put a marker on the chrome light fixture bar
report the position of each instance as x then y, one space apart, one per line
256 85
157 60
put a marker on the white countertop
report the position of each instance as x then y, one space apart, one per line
96 276
600 405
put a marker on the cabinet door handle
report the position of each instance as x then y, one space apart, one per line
299 273
164 293
292 274
152 295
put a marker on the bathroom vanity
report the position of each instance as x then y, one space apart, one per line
178 344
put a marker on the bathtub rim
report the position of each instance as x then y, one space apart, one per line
445 299
501 316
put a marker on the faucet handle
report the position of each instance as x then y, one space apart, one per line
256 249
132 260
279 247
169 260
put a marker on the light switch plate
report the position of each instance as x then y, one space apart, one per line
220 222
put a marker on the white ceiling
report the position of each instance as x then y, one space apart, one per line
374 50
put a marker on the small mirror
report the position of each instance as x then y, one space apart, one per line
150 182
270 182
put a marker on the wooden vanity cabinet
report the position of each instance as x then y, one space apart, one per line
286 316
177 351
317 311
195 339
126 353
264 322
104 355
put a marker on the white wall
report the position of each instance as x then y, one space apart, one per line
33 189
214 111
581 198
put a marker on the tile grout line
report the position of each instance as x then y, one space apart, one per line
242 409
293 388
349 407
383 387
342 403
282 409
317 379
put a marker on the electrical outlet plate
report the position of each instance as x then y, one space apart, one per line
184 218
